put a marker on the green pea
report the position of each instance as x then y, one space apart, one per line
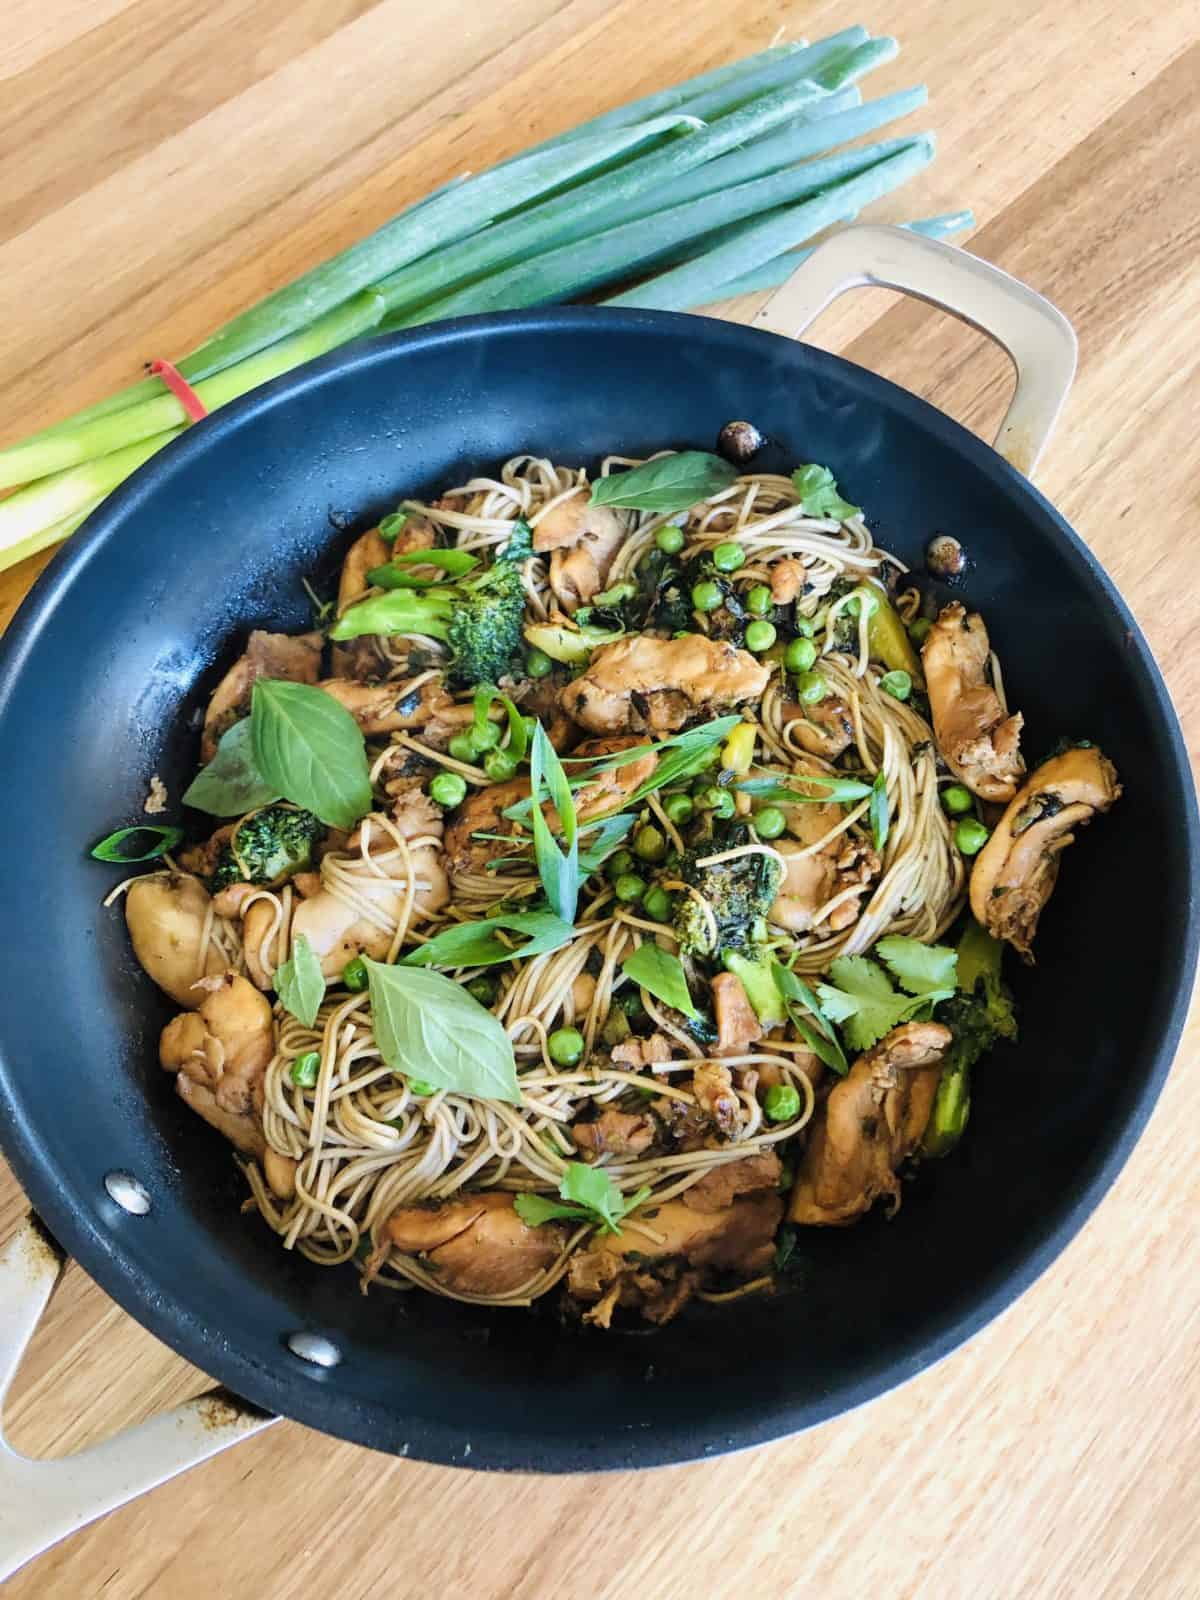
957 799
728 556
630 1002
420 1088
919 630
486 737
679 808
800 655
717 800
619 863
805 627
484 989
629 887
811 687
499 765
770 822
530 726
781 1103
707 596
538 664
462 748
759 601
649 843
657 904
448 789
565 1046
669 540
897 683
306 1069
354 973
760 636
970 836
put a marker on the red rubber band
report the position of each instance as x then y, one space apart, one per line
181 389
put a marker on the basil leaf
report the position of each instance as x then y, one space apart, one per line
231 784
300 983
310 750
113 847
666 485
559 872
841 790
474 944
428 1027
879 814
822 1039
819 495
662 974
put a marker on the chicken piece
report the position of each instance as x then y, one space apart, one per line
657 1275
280 1173
372 550
1015 872
611 789
824 728
643 684
268 655
476 1244
582 540
336 932
220 1055
538 697
716 1097
615 1133
166 917
482 812
817 871
390 707
738 1026
638 1053
787 580
872 1120
416 816
721 1185
977 739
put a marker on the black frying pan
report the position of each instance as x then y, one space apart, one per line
110 660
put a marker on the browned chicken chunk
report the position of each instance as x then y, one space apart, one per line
268 655
372 550
476 1244
870 1123
642 684
1015 872
389 707
721 1185
220 1054
637 1053
582 540
738 1026
979 742
816 873
716 1097
609 792
824 729
787 580
166 917
615 1133
482 812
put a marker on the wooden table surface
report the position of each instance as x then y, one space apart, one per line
162 163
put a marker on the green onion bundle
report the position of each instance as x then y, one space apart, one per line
689 195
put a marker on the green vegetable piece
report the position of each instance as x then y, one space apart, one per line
770 822
565 1046
421 1088
354 975
679 808
661 974
571 646
754 974
819 495
310 749
500 765
618 864
558 870
476 944
970 836
897 683
390 526
919 968
879 812
864 1003
114 847
306 1069
800 655
842 790
231 784
650 843
888 639
484 988
267 847
759 600
428 1026
667 484
448 789
462 748
707 596
728 556
670 540
300 983
760 636
538 664
957 799
629 888
809 1020
781 1103
657 904
919 630
590 1195
811 688
951 1108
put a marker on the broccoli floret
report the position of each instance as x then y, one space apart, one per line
738 893
269 846
673 611
484 629
978 1015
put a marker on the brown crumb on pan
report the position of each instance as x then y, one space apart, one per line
156 800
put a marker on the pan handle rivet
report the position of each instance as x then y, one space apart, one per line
314 1348
129 1194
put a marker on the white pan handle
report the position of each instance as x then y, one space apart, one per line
1036 335
43 1501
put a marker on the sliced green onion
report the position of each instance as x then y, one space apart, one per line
122 845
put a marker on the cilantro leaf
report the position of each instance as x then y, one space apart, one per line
920 968
819 495
864 1003
591 1196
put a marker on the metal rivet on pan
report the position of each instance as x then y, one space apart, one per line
314 1347
129 1194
